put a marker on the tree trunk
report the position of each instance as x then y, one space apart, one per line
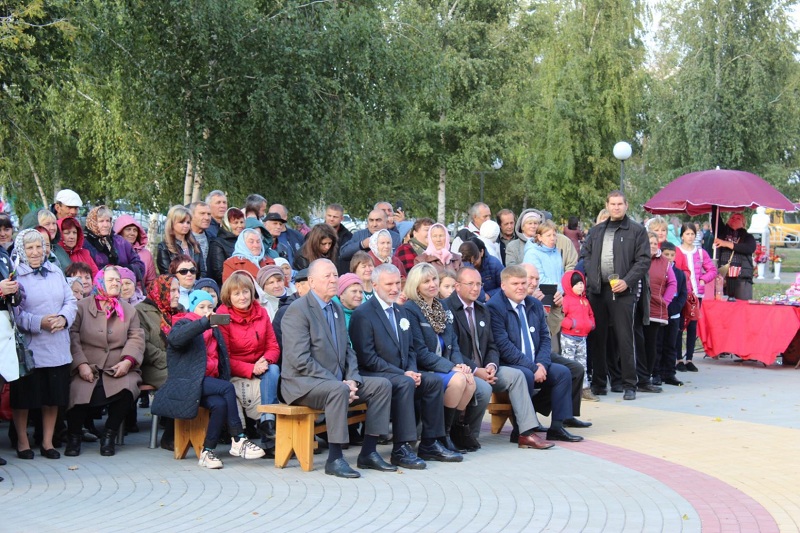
440 213
188 181
37 180
198 185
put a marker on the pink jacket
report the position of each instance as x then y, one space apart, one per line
704 269
141 246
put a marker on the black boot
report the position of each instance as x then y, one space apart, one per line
461 435
107 442
73 445
449 418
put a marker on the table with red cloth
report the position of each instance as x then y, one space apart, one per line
751 331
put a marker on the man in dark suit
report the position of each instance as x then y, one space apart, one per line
473 327
520 331
320 371
379 331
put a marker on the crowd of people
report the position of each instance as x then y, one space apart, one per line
234 309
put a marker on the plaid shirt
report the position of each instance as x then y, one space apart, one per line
406 254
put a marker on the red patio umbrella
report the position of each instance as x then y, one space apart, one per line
699 193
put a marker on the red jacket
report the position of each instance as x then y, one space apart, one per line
79 254
578 316
249 339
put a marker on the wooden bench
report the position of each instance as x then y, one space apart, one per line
191 433
295 430
500 409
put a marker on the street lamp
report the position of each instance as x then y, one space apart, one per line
622 151
497 164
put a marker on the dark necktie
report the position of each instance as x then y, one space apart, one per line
476 352
331 321
526 335
390 316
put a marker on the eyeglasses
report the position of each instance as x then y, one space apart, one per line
185 271
473 284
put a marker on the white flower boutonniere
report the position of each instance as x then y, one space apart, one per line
404 324
449 316
482 323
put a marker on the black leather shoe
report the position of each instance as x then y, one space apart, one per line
630 394
690 366
73 445
437 452
648 387
575 423
673 381
405 457
167 444
656 381
562 435
616 388
3 462
25 454
52 453
448 443
374 461
680 367
107 443
463 439
340 468
267 429
539 429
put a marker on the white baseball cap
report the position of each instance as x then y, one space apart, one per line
69 198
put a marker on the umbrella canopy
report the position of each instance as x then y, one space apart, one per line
729 190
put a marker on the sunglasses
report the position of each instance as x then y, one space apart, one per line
185 271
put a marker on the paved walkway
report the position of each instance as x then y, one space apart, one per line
719 454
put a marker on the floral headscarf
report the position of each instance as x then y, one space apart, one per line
373 244
22 257
104 243
159 297
240 248
444 254
100 295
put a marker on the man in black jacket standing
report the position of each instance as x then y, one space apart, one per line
616 256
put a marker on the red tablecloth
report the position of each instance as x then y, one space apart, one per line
751 331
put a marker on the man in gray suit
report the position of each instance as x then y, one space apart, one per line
320 371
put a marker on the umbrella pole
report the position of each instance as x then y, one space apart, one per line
715 226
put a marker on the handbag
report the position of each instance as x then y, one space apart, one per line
723 270
691 309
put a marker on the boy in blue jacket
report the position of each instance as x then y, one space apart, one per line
670 336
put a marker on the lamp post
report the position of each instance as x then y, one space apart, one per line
497 164
622 151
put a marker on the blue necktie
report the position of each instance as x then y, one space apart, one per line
526 336
390 315
331 321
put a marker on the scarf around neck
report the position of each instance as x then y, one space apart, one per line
434 314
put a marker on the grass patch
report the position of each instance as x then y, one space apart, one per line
768 289
791 259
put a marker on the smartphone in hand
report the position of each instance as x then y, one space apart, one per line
219 320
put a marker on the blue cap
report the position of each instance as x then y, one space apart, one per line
197 296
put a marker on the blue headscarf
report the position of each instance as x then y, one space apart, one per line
240 248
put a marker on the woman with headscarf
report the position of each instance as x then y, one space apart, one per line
380 250
48 221
107 349
72 241
271 280
44 316
438 251
130 291
221 248
527 223
126 227
106 247
249 255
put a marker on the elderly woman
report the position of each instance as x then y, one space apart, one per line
44 315
362 266
72 241
350 294
130 290
438 251
107 248
321 242
436 344
380 246
527 223
107 349
49 222
221 248
417 243
271 280
126 227
179 241
185 270
252 347
249 254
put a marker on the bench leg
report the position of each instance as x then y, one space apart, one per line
294 434
154 432
498 421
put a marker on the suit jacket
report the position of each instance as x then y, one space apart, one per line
483 324
309 352
376 346
425 341
506 330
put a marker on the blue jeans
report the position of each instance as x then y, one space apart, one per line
219 397
269 389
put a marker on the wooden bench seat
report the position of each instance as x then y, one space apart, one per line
500 409
295 430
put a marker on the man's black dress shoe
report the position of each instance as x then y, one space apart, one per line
375 462
340 468
562 435
52 453
405 457
648 387
437 452
673 381
616 388
656 381
575 423
25 454
630 394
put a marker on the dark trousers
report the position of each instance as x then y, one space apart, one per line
617 311
430 398
669 338
651 353
219 397
691 336
577 372
554 393
118 406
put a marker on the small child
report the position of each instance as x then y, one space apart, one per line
211 287
447 283
578 322
670 336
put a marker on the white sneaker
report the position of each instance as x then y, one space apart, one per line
246 449
209 459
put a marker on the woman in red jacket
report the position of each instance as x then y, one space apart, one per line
252 346
72 242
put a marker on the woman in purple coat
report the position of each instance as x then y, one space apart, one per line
47 311
108 248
